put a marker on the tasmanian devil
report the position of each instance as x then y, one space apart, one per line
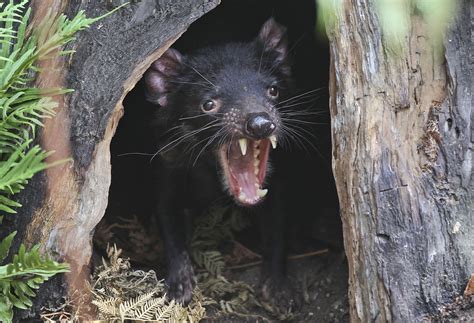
218 121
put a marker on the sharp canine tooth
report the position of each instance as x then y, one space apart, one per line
273 140
243 146
242 196
262 193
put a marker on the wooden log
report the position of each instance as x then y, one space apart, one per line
63 205
402 159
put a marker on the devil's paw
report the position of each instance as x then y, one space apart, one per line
180 280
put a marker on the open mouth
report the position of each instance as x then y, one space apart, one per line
244 162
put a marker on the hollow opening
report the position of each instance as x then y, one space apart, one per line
316 262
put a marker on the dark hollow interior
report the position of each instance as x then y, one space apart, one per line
314 222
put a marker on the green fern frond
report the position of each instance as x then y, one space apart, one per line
16 171
5 246
10 13
22 109
20 114
19 279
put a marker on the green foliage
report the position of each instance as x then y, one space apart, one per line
19 279
226 296
327 14
22 108
395 18
218 225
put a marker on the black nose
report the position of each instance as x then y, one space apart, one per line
259 125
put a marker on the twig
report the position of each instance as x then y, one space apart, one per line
308 254
293 257
249 264
249 251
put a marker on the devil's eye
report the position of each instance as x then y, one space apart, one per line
208 106
272 91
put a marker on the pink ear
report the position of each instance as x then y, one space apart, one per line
272 36
159 77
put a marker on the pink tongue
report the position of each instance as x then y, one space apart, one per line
247 182
242 170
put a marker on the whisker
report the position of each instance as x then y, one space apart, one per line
199 142
200 115
301 113
195 70
211 124
135 153
299 138
190 83
306 100
296 103
303 121
207 144
300 95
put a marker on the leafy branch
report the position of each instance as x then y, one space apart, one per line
22 108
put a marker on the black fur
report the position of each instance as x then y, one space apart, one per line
237 77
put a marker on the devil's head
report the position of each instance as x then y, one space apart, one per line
226 98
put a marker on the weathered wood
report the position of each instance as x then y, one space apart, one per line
402 158
63 205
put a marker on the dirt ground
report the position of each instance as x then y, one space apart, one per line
316 269
322 283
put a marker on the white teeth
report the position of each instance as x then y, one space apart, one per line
242 196
262 193
256 162
256 152
273 140
243 146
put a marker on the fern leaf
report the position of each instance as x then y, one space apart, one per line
146 312
126 308
164 313
7 205
19 168
5 246
9 14
21 111
108 307
6 309
212 261
27 271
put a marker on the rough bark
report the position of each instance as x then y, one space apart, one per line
63 205
402 159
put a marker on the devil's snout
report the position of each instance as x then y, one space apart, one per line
259 125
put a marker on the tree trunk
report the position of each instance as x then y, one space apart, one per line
63 205
401 128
